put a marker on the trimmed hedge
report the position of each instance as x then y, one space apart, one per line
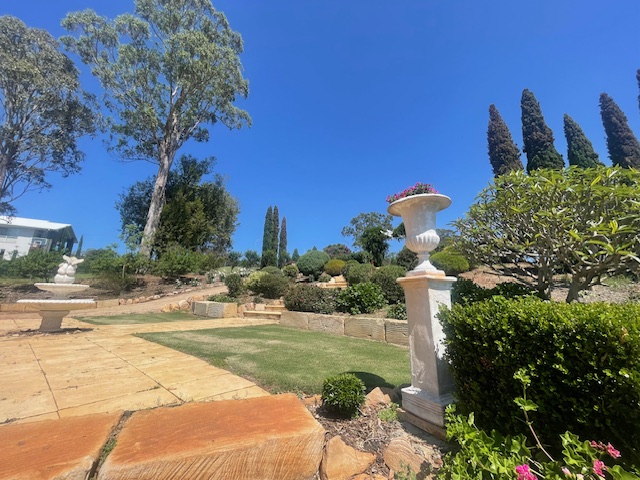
584 362
310 298
358 273
451 262
465 291
312 262
334 267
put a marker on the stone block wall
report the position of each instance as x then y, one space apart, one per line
214 309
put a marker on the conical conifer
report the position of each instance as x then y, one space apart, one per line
267 235
580 151
537 136
283 256
503 152
275 230
623 146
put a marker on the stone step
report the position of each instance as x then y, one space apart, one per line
266 437
262 314
333 285
275 308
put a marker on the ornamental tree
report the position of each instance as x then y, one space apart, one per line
43 111
359 224
583 222
623 146
283 255
537 136
503 152
267 238
580 151
168 71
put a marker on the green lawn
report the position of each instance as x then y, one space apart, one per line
284 359
131 319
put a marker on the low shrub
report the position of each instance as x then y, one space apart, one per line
359 273
271 285
235 285
310 298
324 278
451 262
290 270
176 260
343 394
254 280
407 259
271 270
397 311
334 267
364 297
465 291
386 278
348 264
583 359
312 262
222 298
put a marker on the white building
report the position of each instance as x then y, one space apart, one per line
23 235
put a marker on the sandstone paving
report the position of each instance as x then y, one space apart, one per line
54 449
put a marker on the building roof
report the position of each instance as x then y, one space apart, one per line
32 223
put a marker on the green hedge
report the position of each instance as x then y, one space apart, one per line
584 361
310 298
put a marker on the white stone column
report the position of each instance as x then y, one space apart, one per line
432 385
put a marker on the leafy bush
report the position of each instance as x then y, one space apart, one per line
310 298
38 264
451 262
234 284
254 279
221 298
337 250
324 278
290 270
343 394
407 259
176 260
100 260
397 311
359 273
465 291
584 360
271 270
386 278
311 263
270 285
348 265
364 297
334 267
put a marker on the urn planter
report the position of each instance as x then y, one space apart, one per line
418 213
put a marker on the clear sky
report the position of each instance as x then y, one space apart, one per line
354 100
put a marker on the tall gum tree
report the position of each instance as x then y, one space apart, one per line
43 111
168 72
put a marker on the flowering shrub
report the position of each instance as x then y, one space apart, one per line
417 189
493 456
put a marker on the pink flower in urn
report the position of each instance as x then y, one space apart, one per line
524 473
417 189
599 467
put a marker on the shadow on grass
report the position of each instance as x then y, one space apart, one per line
372 380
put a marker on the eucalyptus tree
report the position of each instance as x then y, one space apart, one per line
43 111
168 71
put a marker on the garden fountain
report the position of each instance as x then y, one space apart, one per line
53 310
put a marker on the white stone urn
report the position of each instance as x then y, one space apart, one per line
418 213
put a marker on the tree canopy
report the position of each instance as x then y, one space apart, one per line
43 111
199 215
580 151
583 222
537 136
359 224
623 146
503 152
167 72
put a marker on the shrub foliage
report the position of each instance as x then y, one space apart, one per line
386 277
343 394
312 262
310 298
334 267
355 273
364 297
234 284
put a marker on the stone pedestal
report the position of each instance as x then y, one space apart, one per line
432 385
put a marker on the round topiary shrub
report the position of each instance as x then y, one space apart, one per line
343 394
311 263
324 278
359 273
234 284
290 270
334 267
386 278
271 286
310 298
364 297
452 263
271 270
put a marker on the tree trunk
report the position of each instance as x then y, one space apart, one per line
157 203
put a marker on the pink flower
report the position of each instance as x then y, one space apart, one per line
599 467
612 451
524 473
566 471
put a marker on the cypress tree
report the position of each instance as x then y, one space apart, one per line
537 136
580 151
295 255
79 250
267 235
275 230
638 79
623 146
503 152
283 256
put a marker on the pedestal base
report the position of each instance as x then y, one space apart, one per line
52 320
426 407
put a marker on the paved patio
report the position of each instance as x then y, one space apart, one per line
106 369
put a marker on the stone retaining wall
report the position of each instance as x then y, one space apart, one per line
214 309
380 329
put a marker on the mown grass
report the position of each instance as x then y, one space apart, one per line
137 318
282 359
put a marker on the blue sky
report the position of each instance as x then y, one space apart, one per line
354 100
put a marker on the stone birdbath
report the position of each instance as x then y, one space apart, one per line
53 310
